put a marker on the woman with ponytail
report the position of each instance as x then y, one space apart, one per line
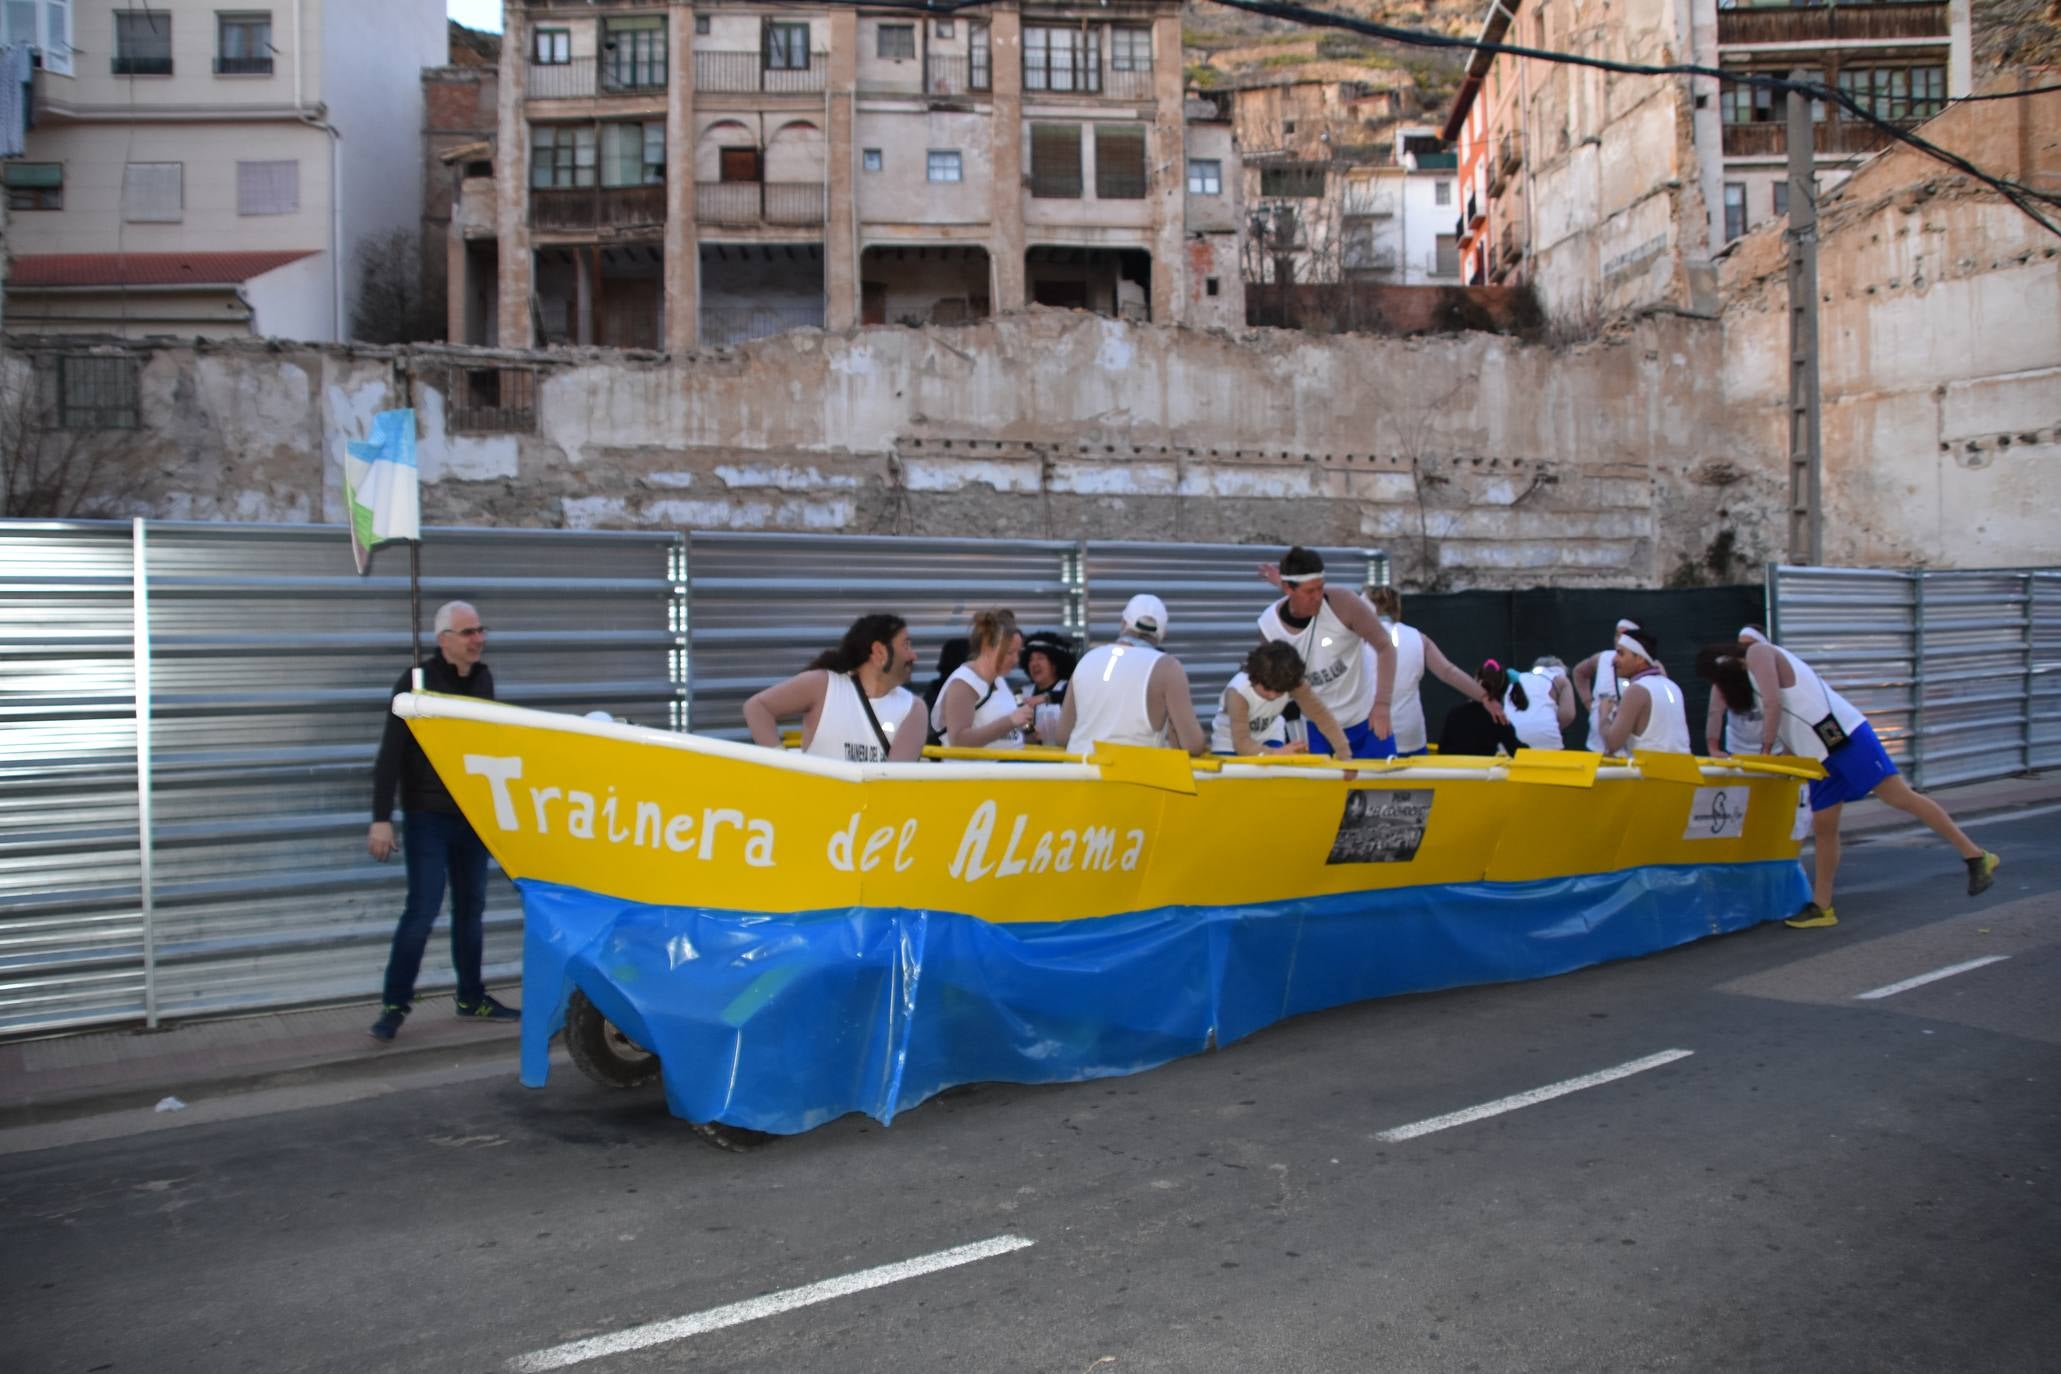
1471 730
976 709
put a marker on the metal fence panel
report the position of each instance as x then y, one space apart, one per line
760 606
1959 671
271 663
1213 596
2043 715
71 923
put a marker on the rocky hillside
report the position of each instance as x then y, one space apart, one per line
1227 47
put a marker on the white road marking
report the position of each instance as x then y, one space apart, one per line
770 1305
1933 977
1533 1097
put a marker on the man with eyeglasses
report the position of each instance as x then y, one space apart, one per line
437 842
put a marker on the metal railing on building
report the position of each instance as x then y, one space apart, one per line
723 326
740 73
597 207
795 203
624 72
947 74
1959 672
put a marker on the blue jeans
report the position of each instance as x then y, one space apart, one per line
440 847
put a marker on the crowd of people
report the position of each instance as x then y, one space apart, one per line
1343 664
1347 666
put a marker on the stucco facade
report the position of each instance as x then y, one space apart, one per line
187 128
798 167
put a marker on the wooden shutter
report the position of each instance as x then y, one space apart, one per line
1056 160
1120 161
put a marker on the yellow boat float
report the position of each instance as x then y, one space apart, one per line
795 938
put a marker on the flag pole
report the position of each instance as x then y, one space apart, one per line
415 606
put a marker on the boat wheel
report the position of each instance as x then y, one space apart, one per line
602 1052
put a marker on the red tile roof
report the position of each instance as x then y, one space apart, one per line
146 269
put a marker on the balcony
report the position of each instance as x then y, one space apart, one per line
1509 154
610 74
1128 85
243 66
1083 73
723 326
597 209
746 73
740 204
1814 25
1829 136
1474 213
944 75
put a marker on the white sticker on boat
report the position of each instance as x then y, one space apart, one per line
1802 827
1717 813
1381 826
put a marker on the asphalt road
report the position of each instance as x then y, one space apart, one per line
1824 1182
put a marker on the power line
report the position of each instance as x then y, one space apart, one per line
2017 193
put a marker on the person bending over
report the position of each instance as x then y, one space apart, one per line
1248 719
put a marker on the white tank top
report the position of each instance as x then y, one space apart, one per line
1336 663
1742 730
1406 706
1263 723
842 730
1667 722
1108 694
1538 724
1804 705
989 705
1605 686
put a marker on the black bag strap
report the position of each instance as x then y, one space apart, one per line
866 704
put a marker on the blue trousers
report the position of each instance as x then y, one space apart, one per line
1365 743
440 848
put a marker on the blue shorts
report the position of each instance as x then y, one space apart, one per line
1853 770
1365 743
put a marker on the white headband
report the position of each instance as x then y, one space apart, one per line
1634 648
1624 625
1302 577
1749 635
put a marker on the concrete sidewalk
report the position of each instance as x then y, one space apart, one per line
79 1075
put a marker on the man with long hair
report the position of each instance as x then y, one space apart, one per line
1803 716
851 698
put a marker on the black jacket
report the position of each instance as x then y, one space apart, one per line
1471 730
402 764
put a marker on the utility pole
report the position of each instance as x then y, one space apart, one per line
1806 512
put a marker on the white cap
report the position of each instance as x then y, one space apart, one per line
601 716
1146 612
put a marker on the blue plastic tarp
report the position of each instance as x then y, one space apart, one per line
781 1023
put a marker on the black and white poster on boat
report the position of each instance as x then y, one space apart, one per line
1717 813
1381 826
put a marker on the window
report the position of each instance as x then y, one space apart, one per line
1298 179
551 47
1120 161
1205 176
1056 59
1056 161
1735 210
1900 93
492 400
944 28
243 45
42 25
561 156
1209 286
1781 197
633 54
1130 50
34 185
143 43
633 154
869 160
1447 264
895 41
1287 126
268 188
1442 193
787 47
701 26
154 192
944 164
737 165
98 393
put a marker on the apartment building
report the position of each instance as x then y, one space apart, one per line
212 167
671 175
1398 217
1593 172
